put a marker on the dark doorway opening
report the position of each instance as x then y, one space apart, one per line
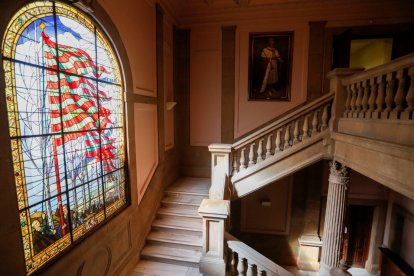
358 224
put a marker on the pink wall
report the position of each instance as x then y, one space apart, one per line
168 84
205 86
251 114
135 21
146 144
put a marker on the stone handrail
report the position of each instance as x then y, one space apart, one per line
290 130
383 92
244 260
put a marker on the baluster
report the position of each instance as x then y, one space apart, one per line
278 141
380 97
400 95
365 98
348 100
353 100
389 97
325 117
410 96
234 172
287 137
260 151
240 265
358 102
242 160
269 146
305 127
296 133
230 261
249 269
315 122
260 271
372 98
251 155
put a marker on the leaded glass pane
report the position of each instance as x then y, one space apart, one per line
65 106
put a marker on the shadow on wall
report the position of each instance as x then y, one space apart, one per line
275 234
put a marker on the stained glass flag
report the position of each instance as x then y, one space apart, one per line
66 115
83 115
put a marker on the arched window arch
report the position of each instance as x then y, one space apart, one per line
65 102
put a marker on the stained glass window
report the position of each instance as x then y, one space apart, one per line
65 105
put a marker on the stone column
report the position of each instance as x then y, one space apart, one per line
334 217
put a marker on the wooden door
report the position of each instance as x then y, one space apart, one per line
359 224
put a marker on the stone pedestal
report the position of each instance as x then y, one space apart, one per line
214 213
309 252
334 218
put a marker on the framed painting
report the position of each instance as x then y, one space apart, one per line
270 66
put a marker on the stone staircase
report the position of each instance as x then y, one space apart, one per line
173 247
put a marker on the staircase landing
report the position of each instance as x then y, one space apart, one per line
174 245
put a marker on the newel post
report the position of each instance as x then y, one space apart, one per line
215 210
220 171
214 213
342 93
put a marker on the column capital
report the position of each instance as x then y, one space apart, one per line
339 174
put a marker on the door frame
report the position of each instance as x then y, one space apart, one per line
377 229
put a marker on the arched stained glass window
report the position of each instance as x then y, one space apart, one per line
65 105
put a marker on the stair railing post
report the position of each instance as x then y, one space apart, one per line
214 213
221 166
341 92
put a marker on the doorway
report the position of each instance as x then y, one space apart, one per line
358 224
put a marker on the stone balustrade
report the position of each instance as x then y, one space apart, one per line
383 92
289 131
244 260
381 99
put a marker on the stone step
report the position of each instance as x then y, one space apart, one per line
194 185
167 237
179 223
146 268
171 255
183 199
178 210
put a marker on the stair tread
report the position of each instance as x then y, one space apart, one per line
145 267
197 185
179 223
173 210
178 238
172 253
182 200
